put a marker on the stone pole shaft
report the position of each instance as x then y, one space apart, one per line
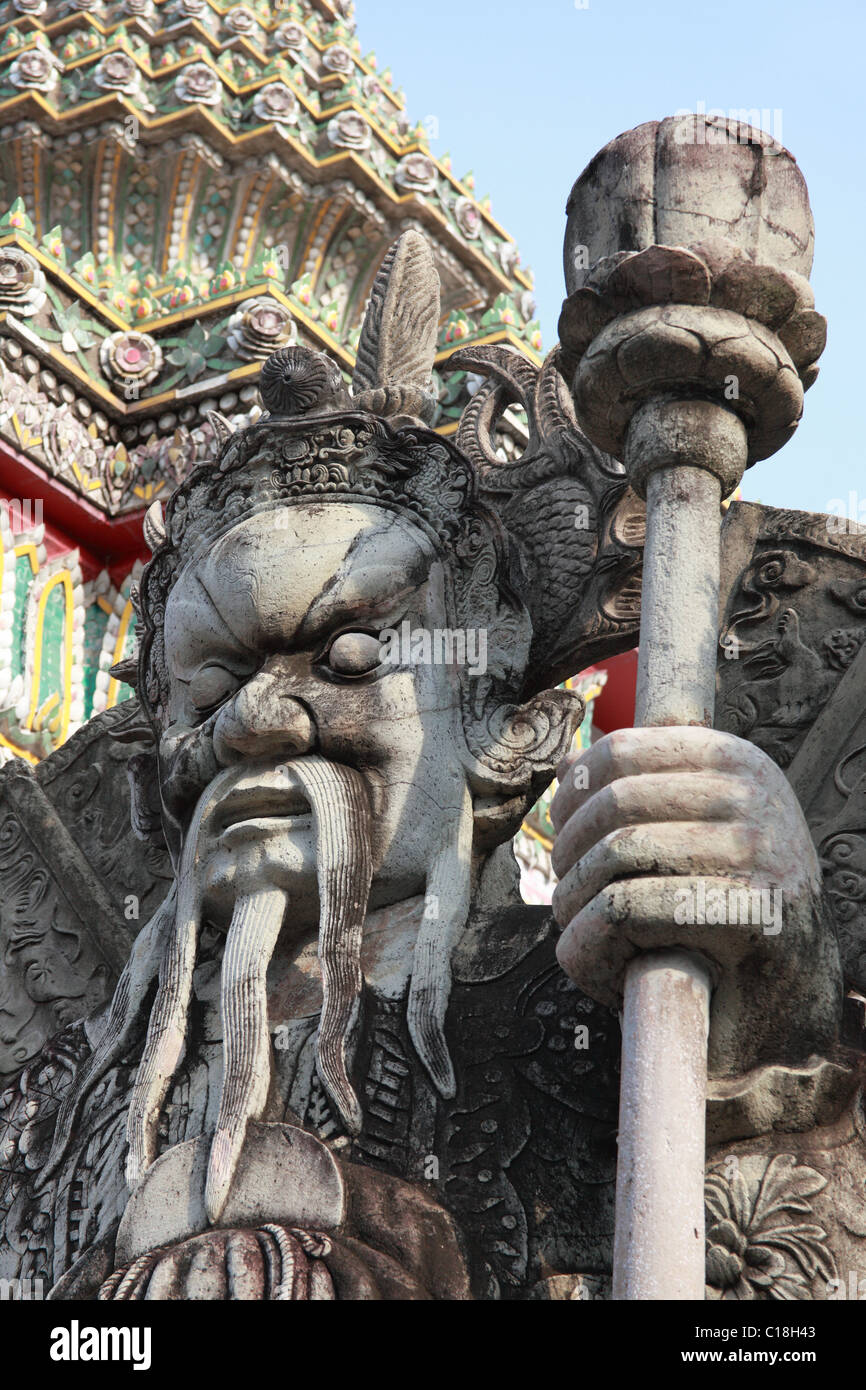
691 333
659 1244
681 453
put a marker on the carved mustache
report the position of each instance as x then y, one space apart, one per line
337 798
339 803
340 809
166 1033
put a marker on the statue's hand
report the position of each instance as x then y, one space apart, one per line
272 1262
689 837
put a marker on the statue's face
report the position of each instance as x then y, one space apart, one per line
273 650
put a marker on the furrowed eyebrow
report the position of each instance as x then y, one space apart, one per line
331 611
219 642
238 641
370 592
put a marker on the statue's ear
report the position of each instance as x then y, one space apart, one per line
515 749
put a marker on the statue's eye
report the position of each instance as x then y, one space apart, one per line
211 685
354 653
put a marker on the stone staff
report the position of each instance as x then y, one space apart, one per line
691 333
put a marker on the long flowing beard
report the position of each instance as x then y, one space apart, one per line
164 948
252 936
446 910
166 1034
168 945
341 821
341 811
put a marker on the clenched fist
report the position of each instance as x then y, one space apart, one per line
686 837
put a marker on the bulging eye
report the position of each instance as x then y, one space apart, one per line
211 685
354 653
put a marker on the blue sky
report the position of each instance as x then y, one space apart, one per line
526 93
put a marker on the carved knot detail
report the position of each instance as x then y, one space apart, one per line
295 381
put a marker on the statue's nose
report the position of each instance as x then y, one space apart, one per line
263 720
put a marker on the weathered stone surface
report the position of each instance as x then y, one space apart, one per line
687 389
685 179
342 1060
285 1175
